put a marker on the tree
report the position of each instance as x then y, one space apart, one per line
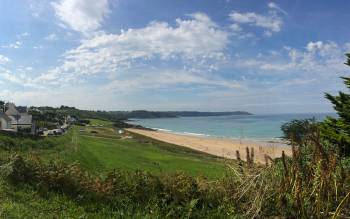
337 130
2 105
297 131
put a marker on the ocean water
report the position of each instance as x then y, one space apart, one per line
256 127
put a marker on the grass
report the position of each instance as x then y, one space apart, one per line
98 122
97 153
106 151
302 186
25 202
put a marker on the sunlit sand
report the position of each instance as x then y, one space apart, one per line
222 147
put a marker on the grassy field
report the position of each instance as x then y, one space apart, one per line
98 148
83 185
106 150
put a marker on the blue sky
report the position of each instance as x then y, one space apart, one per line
209 55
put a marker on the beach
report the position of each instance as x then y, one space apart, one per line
221 147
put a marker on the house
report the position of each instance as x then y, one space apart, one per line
20 118
5 121
70 119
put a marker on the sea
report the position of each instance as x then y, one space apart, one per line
252 127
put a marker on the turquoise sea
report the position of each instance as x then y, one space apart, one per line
259 127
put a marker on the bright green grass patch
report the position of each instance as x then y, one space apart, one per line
100 153
98 122
105 151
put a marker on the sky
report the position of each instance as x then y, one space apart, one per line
206 55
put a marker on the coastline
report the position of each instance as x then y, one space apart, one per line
221 147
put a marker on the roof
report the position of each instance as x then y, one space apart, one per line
22 109
24 119
4 116
11 110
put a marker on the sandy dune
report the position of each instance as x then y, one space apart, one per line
220 146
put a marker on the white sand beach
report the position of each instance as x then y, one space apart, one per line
222 147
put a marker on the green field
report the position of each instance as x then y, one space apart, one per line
106 151
99 149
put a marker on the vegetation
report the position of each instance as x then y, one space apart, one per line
337 131
57 115
99 149
169 114
124 176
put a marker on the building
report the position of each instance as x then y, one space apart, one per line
5 121
16 118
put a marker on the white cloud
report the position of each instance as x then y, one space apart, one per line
38 47
169 78
51 37
196 41
317 60
4 60
82 15
20 77
39 8
274 6
235 27
271 22
22 35
15 45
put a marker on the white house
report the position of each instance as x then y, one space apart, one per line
5 121
16 118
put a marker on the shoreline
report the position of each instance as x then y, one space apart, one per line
221 147
269 140
258 140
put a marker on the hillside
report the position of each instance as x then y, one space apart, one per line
96 151
142 114
99 149
91 172
51 112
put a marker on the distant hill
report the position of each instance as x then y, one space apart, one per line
52 114
142 114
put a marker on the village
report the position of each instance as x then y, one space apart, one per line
19 119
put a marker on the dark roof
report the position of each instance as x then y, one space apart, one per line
22 109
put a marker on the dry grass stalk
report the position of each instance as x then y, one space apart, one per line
248 155
240 163
238 156
284 164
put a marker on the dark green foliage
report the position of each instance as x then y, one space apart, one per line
313 189
170 114
314 180
296 131
2 106
314 183
56 115
337 131
21 142
172 196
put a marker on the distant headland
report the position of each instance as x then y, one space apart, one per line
143 114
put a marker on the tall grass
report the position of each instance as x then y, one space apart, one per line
288 188
313 183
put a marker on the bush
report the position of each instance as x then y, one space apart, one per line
174 196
